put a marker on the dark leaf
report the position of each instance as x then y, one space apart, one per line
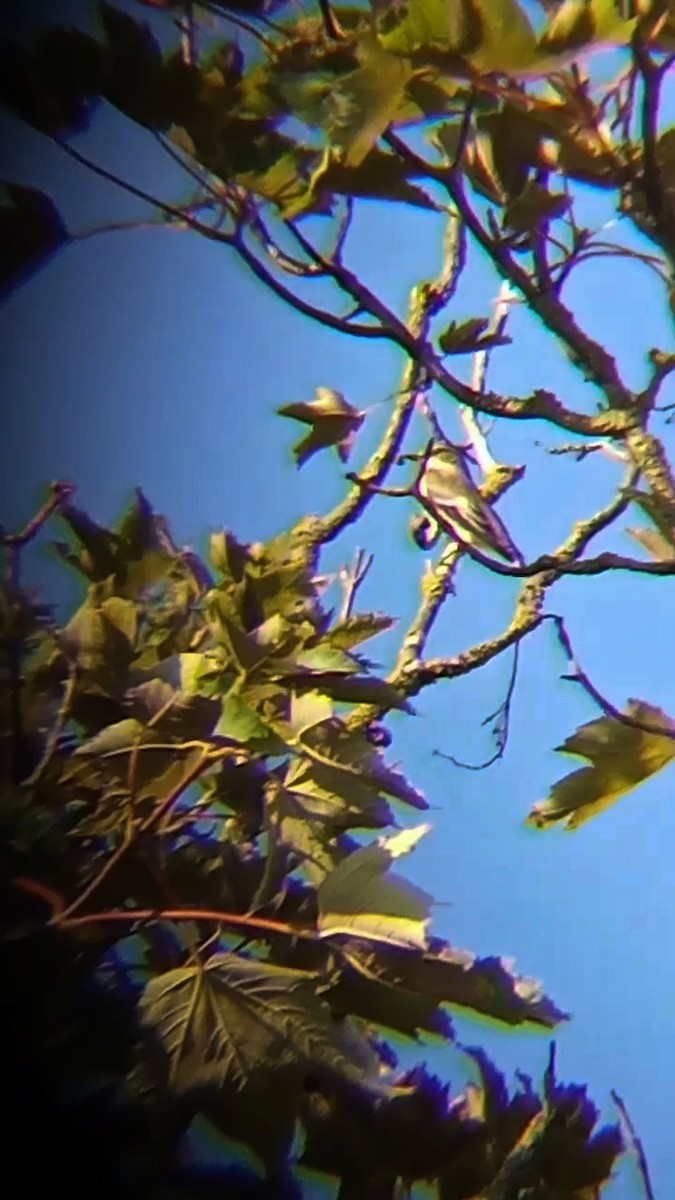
31 232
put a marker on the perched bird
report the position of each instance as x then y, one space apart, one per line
451 498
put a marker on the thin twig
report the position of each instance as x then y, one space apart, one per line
352 578
636 1145
579 676
500 729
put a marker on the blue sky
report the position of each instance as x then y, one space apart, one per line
152 358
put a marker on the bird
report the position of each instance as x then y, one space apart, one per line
451 498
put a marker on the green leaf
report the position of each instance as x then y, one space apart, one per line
621 756
325 657
228 556
31 232
96 643
364 103
98 558
349 763
241 720
380 176
308 826
385 1002
232 1023
576 23
486 35
333 421
465 337
358 897
358 628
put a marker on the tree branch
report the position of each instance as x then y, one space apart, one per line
588 355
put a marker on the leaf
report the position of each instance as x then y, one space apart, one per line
464 337
347 762
120 736
241 720
98 558
228 556
487 35
308 826
31 232
133 68
534 207
364 103
308 709
56 88
358 897
358 628
386 1002
488 986
576 23
334 422
232 1023
380 176
621 758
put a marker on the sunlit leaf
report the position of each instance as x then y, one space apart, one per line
364 103
486 35
333 421
622 756
357 628
360 899
465 337
576 23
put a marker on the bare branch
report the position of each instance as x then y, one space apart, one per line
352 578
480 368
661 214
579 676
588 355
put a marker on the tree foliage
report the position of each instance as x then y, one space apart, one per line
195 775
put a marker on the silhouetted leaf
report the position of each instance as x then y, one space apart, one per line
621 756
132 62
534 207
334 422
379 176
488 986
31 232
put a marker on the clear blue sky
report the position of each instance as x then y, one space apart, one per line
151 358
